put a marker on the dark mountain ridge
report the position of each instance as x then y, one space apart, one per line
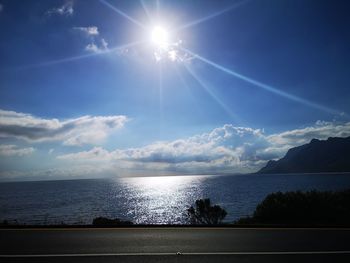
318 156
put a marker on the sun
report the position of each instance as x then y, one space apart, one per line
163 45
160 37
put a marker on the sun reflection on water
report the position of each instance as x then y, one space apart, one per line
161 199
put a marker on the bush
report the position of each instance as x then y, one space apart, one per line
205 213
103 221
302 208
4 223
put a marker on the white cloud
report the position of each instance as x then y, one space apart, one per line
98 44
64 10
104 44
321 130
170 50
1 8
92 47
76 131
13 150
89 31
95 154
227 149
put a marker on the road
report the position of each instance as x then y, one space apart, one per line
162 244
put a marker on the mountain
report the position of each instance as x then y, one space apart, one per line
318 156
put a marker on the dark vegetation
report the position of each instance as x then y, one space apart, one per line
205 214
4 223
313 208
332 155
103 221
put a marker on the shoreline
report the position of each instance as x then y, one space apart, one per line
153 226
179 175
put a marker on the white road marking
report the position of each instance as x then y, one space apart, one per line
182 254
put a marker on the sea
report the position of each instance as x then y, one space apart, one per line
148 200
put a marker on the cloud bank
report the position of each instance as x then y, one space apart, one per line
223 150
227 149
76 131
13 150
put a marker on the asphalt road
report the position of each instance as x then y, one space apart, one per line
162 244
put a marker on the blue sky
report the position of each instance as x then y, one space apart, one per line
85 91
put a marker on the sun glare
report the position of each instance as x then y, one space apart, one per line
160 37
165 46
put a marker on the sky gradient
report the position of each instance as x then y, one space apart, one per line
86 92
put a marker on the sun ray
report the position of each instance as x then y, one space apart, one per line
183 81
160 85
146 11
158 8
213 15
264 86
212 94
74 58
160 90
123 14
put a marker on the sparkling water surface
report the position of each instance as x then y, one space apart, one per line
149 200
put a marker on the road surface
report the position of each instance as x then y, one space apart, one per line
175 245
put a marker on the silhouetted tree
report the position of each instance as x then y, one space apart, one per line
206 214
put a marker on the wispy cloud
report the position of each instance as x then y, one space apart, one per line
75 131
227 149
92 47
13 150
104 44
89 31
97 44
101 47
65 10
95 154
1 7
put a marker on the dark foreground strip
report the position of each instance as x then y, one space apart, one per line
179 254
